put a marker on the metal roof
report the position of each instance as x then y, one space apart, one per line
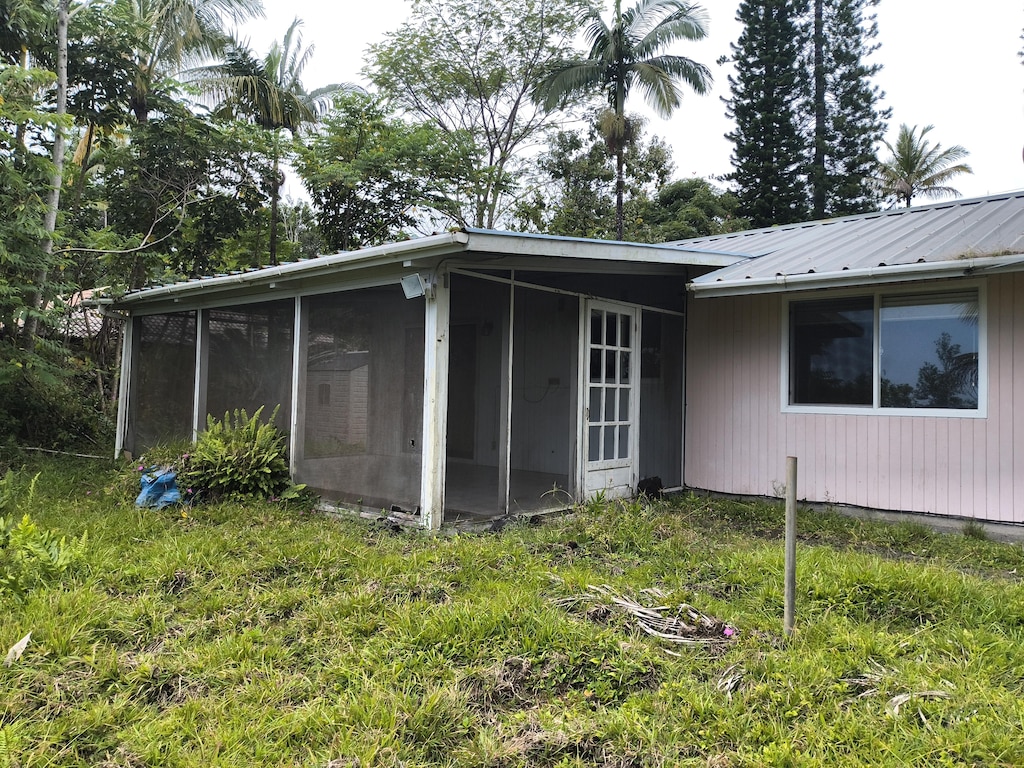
481 242
946 239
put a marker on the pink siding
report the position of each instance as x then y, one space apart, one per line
737 437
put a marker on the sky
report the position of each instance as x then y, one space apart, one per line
946 63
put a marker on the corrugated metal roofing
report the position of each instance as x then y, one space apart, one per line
468 241
984 231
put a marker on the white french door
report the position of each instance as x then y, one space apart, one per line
610 399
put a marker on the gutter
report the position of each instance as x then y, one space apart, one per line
894 273
370 257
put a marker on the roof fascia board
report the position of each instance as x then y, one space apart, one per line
475 241
896 273
516 244
419 248
585 265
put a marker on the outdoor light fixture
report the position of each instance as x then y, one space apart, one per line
415 285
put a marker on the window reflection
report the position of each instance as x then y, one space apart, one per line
929 351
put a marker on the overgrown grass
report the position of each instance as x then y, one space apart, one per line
238 635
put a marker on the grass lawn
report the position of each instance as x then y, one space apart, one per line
257 635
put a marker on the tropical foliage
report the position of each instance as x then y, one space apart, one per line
627 52
237 457
374 177
917 167
270 92
469 68
575 192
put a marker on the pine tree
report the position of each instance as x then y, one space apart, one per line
770 153
849 122
808 117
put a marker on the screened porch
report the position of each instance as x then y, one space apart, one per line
495 389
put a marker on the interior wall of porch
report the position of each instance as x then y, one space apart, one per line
361 405
661 398
545 387
535 440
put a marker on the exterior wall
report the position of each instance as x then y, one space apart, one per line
340 417
737 437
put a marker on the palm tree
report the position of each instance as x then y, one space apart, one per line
178 33
627 53
916 167
269 92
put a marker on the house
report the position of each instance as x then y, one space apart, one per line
476 374
884 351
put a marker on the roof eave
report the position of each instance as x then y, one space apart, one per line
463 241
420 248
894 273
525 244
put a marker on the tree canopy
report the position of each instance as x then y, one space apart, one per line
374 177
469 68
627 52
808 115
916 167
769 149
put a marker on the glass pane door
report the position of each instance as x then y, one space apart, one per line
610 399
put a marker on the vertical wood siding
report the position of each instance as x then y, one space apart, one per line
737 437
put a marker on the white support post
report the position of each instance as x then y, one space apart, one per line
297 420
124 387
505 426
583 409
202 372
435 403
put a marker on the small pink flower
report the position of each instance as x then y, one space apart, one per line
188 490
728 631
139 468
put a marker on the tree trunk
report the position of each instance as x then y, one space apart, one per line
53 202
818 176
620 189
276 193
80 185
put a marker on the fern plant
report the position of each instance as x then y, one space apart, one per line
237 457
31 556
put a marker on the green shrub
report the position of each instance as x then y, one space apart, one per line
55 408
238 457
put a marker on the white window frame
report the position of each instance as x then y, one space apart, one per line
875 409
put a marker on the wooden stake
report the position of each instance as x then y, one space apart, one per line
789 613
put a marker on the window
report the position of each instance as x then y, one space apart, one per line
831 351
916 351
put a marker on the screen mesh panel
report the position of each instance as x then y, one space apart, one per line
163 380
362 405
250 359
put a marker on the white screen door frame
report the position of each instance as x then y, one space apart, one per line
609 398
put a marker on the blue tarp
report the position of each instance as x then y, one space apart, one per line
159 488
